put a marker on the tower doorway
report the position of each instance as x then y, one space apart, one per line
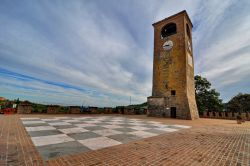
173 112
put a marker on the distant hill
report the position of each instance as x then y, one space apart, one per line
138 106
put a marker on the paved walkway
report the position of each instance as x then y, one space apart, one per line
207 142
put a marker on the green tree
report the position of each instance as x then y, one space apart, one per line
207 99
17 101
239 103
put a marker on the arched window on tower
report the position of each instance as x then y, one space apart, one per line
188 31
168 30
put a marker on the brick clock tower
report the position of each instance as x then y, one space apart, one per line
173 70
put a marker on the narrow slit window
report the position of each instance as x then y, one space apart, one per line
188 31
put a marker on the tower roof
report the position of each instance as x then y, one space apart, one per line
180 13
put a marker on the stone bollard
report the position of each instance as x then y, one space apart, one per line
223 115
235 115
217 115
205 114
210 114
248 116
243 115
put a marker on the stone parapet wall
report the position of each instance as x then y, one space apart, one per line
129 111
226 115
74 110
93 110
24 109
133 111
108 110
53 109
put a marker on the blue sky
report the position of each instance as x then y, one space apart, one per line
101 52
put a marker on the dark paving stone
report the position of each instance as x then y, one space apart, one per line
125 129
35 125
44 133
92 128
58 121
88 119
128 121
66 148
126 125
149 126
24 120
65 119
124 138
65 127
107 119
102 124
108 122
79 122
84 135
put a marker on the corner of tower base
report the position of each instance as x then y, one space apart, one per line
157 107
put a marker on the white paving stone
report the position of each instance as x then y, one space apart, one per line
159 125
103 118
50 120
154 122
64 117
181 126
137 123
33 122
30 118
92 122
51 139
117 120
139 128
107 132
135 119
71 120
115 123
112 126
82 118
167 129
143 134
99 142
40 128
73 130
85 125
58 123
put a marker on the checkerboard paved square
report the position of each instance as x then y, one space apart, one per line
59 136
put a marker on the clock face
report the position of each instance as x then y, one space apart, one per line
168 45
189 46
